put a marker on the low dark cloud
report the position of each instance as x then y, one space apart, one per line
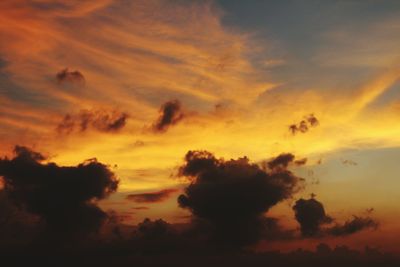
16 225
311 216
231 197
149 229
160 237
152 197
63 197
304 125
67 75
229 202
354 225
170 114
100 120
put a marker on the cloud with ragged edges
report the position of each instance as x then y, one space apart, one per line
304 125
232 196
171 113
101 120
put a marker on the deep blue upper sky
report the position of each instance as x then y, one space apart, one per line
316 37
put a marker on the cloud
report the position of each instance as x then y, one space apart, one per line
311 216
64 197
354 225
66 75
281 161
98 119
160 237
15 223
312 120
232 196
304 125
152 229
152 197
170 114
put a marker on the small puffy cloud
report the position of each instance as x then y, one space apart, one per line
170 114
310 214
66 75
304 125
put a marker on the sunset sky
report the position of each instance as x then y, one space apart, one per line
95 79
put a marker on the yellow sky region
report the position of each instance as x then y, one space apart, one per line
257 134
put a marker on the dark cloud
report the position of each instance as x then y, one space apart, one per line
281 161
273 230
304 125
66 75
232 196
312 120
311 216
161 237
152 197
64 197
293 128
170 114
153 229
16 225
100 120
356 224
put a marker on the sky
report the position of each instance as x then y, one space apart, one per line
138 84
